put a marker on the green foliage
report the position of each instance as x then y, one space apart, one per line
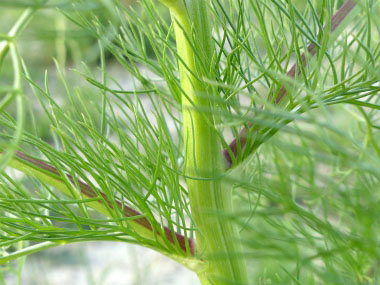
305 177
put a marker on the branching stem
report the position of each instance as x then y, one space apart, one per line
217 238
240 142
49 174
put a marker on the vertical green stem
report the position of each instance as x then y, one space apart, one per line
217 239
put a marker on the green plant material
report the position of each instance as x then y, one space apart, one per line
204 165
16 93
21 23
100 203
339 20
30 250
134 146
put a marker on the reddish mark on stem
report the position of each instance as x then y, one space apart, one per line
336 20
86 190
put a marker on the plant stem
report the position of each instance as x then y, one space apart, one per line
29 250
18 94
16 30
50 175
336 20
217 239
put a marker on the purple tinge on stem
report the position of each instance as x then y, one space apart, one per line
336 19
128 211
234 146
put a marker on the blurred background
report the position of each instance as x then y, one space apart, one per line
101 263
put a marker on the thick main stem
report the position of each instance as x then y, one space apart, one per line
217 240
